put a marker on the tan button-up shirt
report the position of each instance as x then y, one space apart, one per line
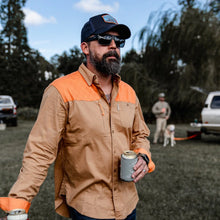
85 136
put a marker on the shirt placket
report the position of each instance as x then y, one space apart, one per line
115 162
115 165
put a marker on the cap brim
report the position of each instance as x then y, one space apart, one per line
123 31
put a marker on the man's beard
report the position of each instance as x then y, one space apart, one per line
104 67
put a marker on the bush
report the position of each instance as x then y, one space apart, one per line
27 113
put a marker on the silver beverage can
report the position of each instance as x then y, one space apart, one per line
128 160
17 214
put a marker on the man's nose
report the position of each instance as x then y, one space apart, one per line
113 44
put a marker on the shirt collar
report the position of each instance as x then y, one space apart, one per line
90 77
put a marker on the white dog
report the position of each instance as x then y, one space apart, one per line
169 134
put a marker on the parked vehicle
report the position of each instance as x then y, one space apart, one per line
210 115
8 113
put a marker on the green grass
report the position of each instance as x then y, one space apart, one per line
184 186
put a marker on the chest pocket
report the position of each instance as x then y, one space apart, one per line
86 122
126 113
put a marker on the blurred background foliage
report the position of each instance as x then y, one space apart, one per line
179 55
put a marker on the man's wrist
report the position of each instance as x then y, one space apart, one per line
145 157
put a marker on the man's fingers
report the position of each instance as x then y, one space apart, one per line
141 174
141 169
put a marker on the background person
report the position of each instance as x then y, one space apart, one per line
161 109
87 119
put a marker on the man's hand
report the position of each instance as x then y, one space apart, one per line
163 110
3 218
140 169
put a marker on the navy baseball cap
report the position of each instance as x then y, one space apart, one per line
102 23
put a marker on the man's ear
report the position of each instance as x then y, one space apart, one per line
85 48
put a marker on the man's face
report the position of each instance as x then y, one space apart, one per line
105 59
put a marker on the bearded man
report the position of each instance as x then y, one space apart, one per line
87 119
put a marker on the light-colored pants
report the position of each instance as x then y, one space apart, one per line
161 124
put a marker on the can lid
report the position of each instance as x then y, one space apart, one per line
129 154
16 212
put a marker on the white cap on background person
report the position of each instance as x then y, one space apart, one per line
161 95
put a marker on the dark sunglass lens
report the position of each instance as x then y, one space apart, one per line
120 43
106 40
103 41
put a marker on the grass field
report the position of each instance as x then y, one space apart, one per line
184 186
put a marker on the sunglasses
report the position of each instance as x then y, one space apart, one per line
106 40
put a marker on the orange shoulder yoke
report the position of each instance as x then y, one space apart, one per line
74 87
126 93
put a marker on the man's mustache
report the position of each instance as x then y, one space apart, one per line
112 53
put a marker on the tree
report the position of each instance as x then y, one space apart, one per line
15 46
14 32
39 74
3 65
187 3
215 6
68 62
181 52
23 69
